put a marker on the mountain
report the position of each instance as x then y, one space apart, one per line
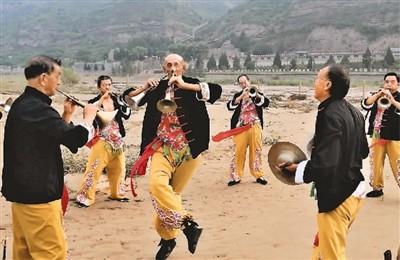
313 25
86 28
63 27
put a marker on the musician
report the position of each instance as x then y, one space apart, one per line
384 129
340 145
107 148
179 137
247 111
33 175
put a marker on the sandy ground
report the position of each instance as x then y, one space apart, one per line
247 221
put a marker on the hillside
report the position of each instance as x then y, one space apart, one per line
89 29
312 25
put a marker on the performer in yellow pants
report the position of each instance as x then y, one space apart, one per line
250 138
377 156
108 147
168 178
384 129
102 156
176 119
248 105
38 231
332 230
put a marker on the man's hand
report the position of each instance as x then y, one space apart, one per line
287 167
151 83
69 109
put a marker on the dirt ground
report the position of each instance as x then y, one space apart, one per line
246 221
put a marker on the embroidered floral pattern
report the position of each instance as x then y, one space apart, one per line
371 164
257 164
170 219
170 132
398 172
248 114
232 167
88 183
112 136
378 123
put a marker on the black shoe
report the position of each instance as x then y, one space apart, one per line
192 233
375 194
262 181
81 205
166 248
233 182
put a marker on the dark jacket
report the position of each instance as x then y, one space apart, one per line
390 129
238 108
192 114
33 167
340 145
123 112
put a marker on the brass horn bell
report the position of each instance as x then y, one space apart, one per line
284 152
103 117
5 106
167 105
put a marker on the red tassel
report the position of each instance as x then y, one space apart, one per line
316 240
139 167
379 142
93 141
64 199
225 134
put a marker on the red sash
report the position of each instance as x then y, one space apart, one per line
64 199
225 134
379 141
139 167
93 141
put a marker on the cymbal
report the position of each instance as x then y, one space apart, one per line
284 152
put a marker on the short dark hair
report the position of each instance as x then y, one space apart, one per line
242 75
340 81
101 78
39 65
391 74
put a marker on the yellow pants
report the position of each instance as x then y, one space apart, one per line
102 157
333 227
167 182
38 231
251 138
377 159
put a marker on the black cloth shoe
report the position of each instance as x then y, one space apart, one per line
233 182
81 205
166 248
192 233
262 181
375 194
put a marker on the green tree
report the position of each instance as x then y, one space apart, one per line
310 63
389 58
367 59
248 63
345 60
293 64
211 63
331 60
69 77
84 55
199 65
277 61
223 63
236 63
242 42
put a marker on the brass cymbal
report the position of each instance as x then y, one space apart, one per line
284 152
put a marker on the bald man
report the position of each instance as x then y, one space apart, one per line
180 137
